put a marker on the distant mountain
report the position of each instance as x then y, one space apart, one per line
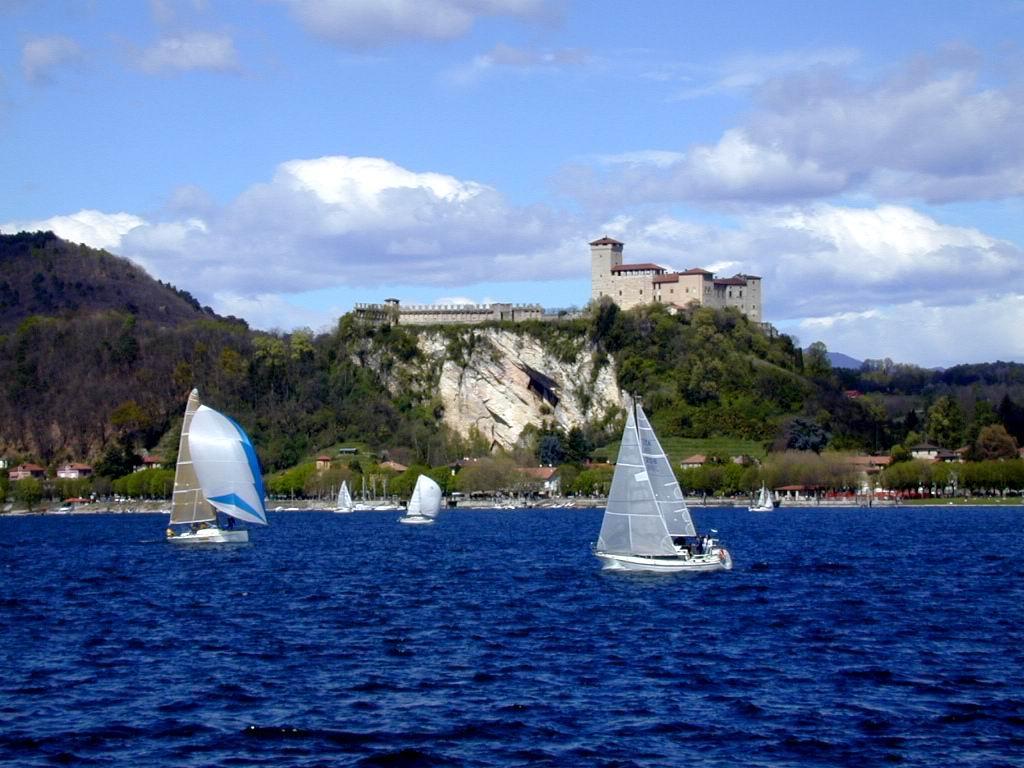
40 274
839 360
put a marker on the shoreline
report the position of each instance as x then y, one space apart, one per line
309 505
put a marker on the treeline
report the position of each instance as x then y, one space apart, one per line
978 478
100 371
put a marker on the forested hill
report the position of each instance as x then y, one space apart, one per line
40 274
97 359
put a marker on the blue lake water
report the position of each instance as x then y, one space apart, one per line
842 637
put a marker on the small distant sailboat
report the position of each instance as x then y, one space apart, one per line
217 471
424 504
344 502
646 525
765 503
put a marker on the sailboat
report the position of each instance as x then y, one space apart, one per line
765 503
217 472
344 502
424 504
646 525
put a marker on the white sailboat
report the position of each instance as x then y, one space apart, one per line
217 471
424 504
344 501
646 525
765 503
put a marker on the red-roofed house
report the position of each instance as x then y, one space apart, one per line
323 463
693 462
23 471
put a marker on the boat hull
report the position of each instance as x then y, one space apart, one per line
210 536
762 509
416 520
718 560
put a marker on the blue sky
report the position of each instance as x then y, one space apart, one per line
284 159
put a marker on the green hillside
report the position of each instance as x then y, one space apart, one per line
97 358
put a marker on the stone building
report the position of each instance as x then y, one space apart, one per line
448 314
631 285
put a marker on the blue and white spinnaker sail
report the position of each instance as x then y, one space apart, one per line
226 466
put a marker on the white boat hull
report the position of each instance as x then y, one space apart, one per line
768 508
718 560
209 536
343 511
416 520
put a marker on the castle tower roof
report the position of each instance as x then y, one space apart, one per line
606 241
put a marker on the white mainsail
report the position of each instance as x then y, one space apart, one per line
633 523
188 504
217 469
425 500
344 497
667 492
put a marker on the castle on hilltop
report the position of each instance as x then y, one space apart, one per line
631 285
628 285
392 311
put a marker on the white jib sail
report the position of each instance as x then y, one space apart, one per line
666 488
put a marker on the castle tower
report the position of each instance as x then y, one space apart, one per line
604 254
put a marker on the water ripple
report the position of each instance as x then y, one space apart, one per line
493 639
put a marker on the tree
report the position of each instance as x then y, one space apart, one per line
994 442
1012 416
550 451
806 435
488 475
946 423
118 461
816 362
28 491
577 446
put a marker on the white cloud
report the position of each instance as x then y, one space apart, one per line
350 221
658 158
94 228
192 51
506 58
925 334
271 311
168 11
749 71
735 169
42 57
930 131
369 23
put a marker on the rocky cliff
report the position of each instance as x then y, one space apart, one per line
499 381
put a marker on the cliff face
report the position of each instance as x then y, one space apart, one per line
499 381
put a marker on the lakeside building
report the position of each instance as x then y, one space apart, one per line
633 285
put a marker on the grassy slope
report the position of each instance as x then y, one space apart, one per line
679 448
